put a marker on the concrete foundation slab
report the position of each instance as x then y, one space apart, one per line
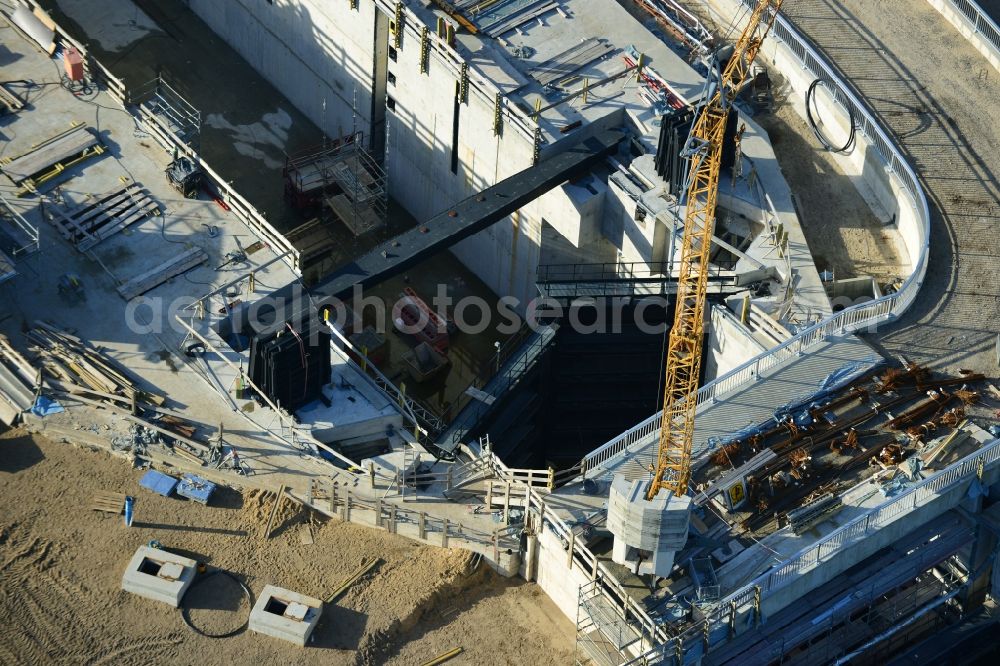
284 614
159 575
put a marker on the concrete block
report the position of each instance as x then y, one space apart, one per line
284 614
158 575
658 527
647 524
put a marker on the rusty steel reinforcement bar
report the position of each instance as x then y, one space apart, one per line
779 576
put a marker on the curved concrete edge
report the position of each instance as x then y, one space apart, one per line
874 179
876 166
971 29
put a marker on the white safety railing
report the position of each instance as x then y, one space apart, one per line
980 21
848 320
166 137
822 550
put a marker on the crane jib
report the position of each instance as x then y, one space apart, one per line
683 357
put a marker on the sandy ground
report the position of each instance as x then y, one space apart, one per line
939 97
61 565
843 233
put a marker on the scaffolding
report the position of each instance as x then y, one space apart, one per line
162 100
604 636
17 238
341 176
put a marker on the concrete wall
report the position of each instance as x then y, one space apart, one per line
848 556
636 241
318 54
968 30
561 583
419 162
730 344
576 210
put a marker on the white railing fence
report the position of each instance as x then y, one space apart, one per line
721 616
980 21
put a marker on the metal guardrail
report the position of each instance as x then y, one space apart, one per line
848 320
822 550
981 22
164 135
412 410
472 411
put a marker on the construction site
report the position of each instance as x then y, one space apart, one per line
596 332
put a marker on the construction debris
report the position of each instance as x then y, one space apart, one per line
102 216
51 157
17 383
66 358
137 441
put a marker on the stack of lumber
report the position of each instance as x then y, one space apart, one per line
178 425
156 276
68 359
17 383
9 100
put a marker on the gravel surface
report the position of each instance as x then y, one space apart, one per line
940 98
61 565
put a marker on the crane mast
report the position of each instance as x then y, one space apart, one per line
683 356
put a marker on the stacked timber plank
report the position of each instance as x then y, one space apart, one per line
87 224
570 61
154 277
68 359
51 157
17 383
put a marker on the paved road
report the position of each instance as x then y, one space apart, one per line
942 100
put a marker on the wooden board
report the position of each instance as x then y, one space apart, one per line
142 283
10 99
55 150
108 502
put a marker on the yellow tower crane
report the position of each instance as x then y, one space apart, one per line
683 358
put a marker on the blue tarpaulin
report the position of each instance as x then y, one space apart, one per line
158 482
45 406
195 488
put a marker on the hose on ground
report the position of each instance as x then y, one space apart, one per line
229 634
847 147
